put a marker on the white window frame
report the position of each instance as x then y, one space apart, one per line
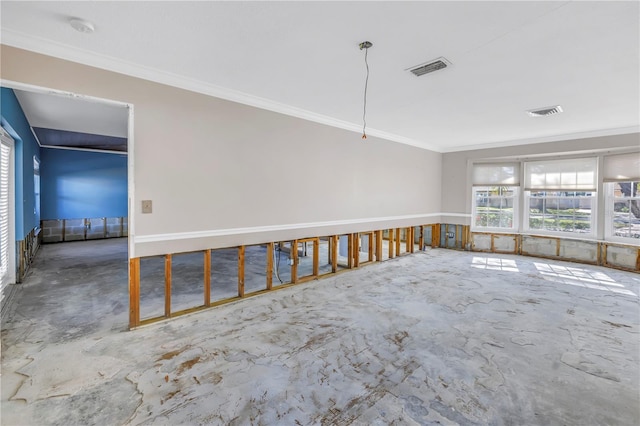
493 229
10 276
610 199
567 234
579 174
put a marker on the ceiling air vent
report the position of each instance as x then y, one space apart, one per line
541 112
431 66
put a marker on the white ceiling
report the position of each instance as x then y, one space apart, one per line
73 114
302 58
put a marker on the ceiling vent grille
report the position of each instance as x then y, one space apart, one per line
542 112
431 66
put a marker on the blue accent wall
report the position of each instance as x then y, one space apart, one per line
16 124
80 184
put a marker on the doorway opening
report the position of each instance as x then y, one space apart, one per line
74 164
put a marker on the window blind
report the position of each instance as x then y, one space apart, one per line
5 168
622 167
496 174
575 174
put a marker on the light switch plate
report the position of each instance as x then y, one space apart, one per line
147 206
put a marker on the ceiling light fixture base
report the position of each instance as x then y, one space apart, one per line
81 25
365 45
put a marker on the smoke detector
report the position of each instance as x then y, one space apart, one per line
81 25
429 67
541 112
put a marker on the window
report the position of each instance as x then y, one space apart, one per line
36 191
494 206
624 210
560 196
621 174
558 211
495 196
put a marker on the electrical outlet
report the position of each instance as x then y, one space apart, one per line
147 206
451 234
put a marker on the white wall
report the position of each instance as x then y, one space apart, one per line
215 170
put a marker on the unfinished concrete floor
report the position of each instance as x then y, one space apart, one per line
439 337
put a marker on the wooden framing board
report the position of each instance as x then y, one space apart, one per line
398 241
207 277
293 253
349 251
316 258
134 292
371 244
421 238
375 239
354 243
334 253
269 271
241 271
408 239
167 286
435 235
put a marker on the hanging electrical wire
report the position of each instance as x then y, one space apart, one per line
365 45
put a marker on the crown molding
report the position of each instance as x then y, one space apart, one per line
109 63
544 139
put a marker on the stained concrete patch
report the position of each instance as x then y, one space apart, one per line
579 362
64 370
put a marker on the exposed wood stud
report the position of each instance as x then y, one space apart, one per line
391 243
269 272
334 253
638 260
370 247
408 239
241 271
167 286
355 243
434 235
134 292
316 257
207 277
421 238
349 251
293 255
379 246
398 241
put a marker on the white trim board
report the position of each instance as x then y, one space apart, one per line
141 239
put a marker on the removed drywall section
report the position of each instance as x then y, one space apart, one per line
623 257
81 184
59 230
